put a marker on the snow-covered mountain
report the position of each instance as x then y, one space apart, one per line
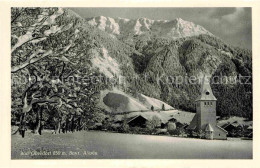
136 51
176 28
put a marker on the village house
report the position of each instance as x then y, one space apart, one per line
137 121
205 118
232 128
140 119
249 131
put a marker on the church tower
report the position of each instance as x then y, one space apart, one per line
206 105
205 118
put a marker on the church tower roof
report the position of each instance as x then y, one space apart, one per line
209 128
205 90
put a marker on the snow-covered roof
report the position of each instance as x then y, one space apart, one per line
209 128
193 123
222 129
134 117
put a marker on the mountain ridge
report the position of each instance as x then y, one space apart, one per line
176 28
143 55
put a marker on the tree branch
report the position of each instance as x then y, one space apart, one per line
24 42
30 61
62 71
25 93
19 14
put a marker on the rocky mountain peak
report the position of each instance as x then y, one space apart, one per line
176 28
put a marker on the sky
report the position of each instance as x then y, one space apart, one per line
233 25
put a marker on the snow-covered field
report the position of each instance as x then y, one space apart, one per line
92 145
116 101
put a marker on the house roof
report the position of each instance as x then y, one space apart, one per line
193 123
172 119
234 124
239 120
164 116
180 116
205 90
222 129
134 117
209 128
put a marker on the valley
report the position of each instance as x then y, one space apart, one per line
134 76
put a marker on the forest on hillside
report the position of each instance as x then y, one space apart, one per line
230 69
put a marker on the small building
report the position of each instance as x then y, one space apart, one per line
137 121
205 118
172 119
235 126
209 132
165 123
249 131
175 121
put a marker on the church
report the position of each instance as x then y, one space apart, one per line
205 118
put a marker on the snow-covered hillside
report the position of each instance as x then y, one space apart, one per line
117 101
176 28
149 101
106 64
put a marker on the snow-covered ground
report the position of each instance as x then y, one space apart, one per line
149 101
127 146
117 101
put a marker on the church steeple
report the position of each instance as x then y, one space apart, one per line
205 90
205 118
